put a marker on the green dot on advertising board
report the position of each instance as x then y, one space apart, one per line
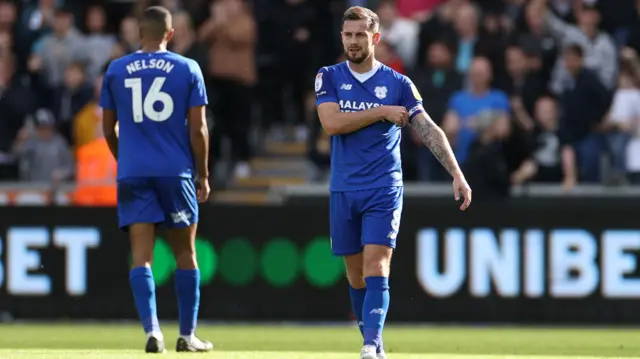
280 262
238 261
321 268
207 260
163 264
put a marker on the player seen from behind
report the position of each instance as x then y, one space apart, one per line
363 106
158 100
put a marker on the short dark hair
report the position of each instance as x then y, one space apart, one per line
155 23
574 49
356 13
549 96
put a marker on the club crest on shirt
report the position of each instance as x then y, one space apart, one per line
318 82
416 93
381 92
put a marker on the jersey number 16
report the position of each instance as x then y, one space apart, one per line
142 108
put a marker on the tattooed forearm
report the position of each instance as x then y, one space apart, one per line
435 139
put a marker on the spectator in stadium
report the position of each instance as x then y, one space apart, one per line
584 101
493 35
16 100
386 54
521 83
486 168
184 39
297 31
70 98
622 122
533 36
97 41
438 26
8 29
599 49
45 156
129 38
86 119
231 35
544 129
57 50
465 106
97 172
400 33
631 65
467 29
8 16
564 9
436 81
37 20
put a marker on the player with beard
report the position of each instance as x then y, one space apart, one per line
362 105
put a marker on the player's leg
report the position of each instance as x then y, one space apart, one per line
357 287
380 226
178 198
345 231
138 213
377 260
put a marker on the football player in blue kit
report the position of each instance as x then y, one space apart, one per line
158 98
363 105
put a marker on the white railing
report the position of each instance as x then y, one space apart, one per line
42 194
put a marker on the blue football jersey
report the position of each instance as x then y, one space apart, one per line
370 157
151 94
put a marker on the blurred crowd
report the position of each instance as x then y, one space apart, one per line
526 90
542 91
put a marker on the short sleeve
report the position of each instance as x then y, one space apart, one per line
324 88
106 97
198 95
411 98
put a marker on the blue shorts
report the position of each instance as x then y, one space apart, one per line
168 201
358 218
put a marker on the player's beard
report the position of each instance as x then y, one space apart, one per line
357 59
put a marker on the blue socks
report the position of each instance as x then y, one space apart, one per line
187 284
374 309
357 301
144 295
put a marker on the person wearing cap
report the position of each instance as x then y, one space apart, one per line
44 155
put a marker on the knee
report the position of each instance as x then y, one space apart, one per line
356 278
141 258
377 268
186 260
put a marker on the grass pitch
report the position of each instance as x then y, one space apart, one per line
94 341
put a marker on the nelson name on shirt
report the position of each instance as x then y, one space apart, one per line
160 64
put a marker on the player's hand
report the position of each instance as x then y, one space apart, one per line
460 186
202 189
397 115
